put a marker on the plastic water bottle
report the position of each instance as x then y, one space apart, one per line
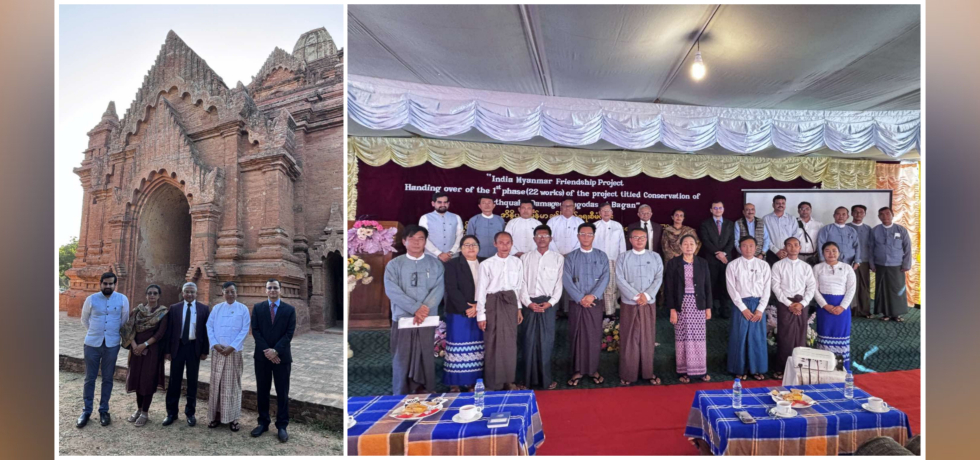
478 392
849 385
737 394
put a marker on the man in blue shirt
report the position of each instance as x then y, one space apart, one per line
103 314
485 225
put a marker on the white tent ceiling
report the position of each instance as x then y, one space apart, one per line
804 57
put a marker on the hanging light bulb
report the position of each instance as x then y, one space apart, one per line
698 70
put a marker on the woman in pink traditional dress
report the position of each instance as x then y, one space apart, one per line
687 293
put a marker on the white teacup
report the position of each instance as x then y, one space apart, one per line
784 407
469 412
877 404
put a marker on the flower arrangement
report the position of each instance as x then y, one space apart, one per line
439 351
357 270
811 331
610 339
369 237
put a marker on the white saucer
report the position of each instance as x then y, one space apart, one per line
459 419
868 408
792 413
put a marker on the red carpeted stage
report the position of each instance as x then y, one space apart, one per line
648 420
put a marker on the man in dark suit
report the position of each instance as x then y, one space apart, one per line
273 324
654 230
185 345
717 243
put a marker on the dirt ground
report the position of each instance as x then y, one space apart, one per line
122 438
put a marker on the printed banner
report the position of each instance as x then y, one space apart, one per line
393 192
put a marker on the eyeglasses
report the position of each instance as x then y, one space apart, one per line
471 245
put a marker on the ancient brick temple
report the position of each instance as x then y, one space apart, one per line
202 182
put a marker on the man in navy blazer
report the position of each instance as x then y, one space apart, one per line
185 345
273 324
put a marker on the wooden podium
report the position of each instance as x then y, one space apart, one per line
369 306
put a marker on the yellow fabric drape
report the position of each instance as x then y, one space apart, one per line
832 172
903 180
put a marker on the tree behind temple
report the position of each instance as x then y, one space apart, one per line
66 255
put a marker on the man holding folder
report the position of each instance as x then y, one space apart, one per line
414 284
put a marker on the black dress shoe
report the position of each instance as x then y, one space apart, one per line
191 421
82 420
259 430
104 418
169 419
283 436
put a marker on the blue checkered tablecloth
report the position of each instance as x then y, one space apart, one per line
378 434
833 426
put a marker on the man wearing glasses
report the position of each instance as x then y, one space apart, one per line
717 246
639 274
414 284
273 323
585 277
539 294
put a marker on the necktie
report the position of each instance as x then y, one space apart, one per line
272 312
649 241
186 333
718 222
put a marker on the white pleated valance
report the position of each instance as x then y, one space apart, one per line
446 111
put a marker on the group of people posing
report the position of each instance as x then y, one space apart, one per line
501 287
184 334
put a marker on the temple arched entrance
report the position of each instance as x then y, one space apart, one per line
163 244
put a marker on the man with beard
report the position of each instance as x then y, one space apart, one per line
103 314
521 229
891 250
186 346
794 286
414 283
780 225
539 293
861 305
445 229
485 225
585 277
749 225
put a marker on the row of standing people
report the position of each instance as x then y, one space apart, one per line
185 333
466 346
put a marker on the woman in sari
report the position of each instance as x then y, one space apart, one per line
464 339
687 293
836 284
670 242
141 335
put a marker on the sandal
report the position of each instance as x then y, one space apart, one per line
142 420
777 375
136 415
573 382
214 424
624 383
885 318
869 316
553 385
758 376
598 379
899 319
234 425
655 381
706 378
684 379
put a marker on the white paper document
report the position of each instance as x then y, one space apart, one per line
407 323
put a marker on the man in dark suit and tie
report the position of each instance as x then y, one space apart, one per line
273 324
185 345
717 243
654 230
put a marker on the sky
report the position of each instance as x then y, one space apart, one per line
104 51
